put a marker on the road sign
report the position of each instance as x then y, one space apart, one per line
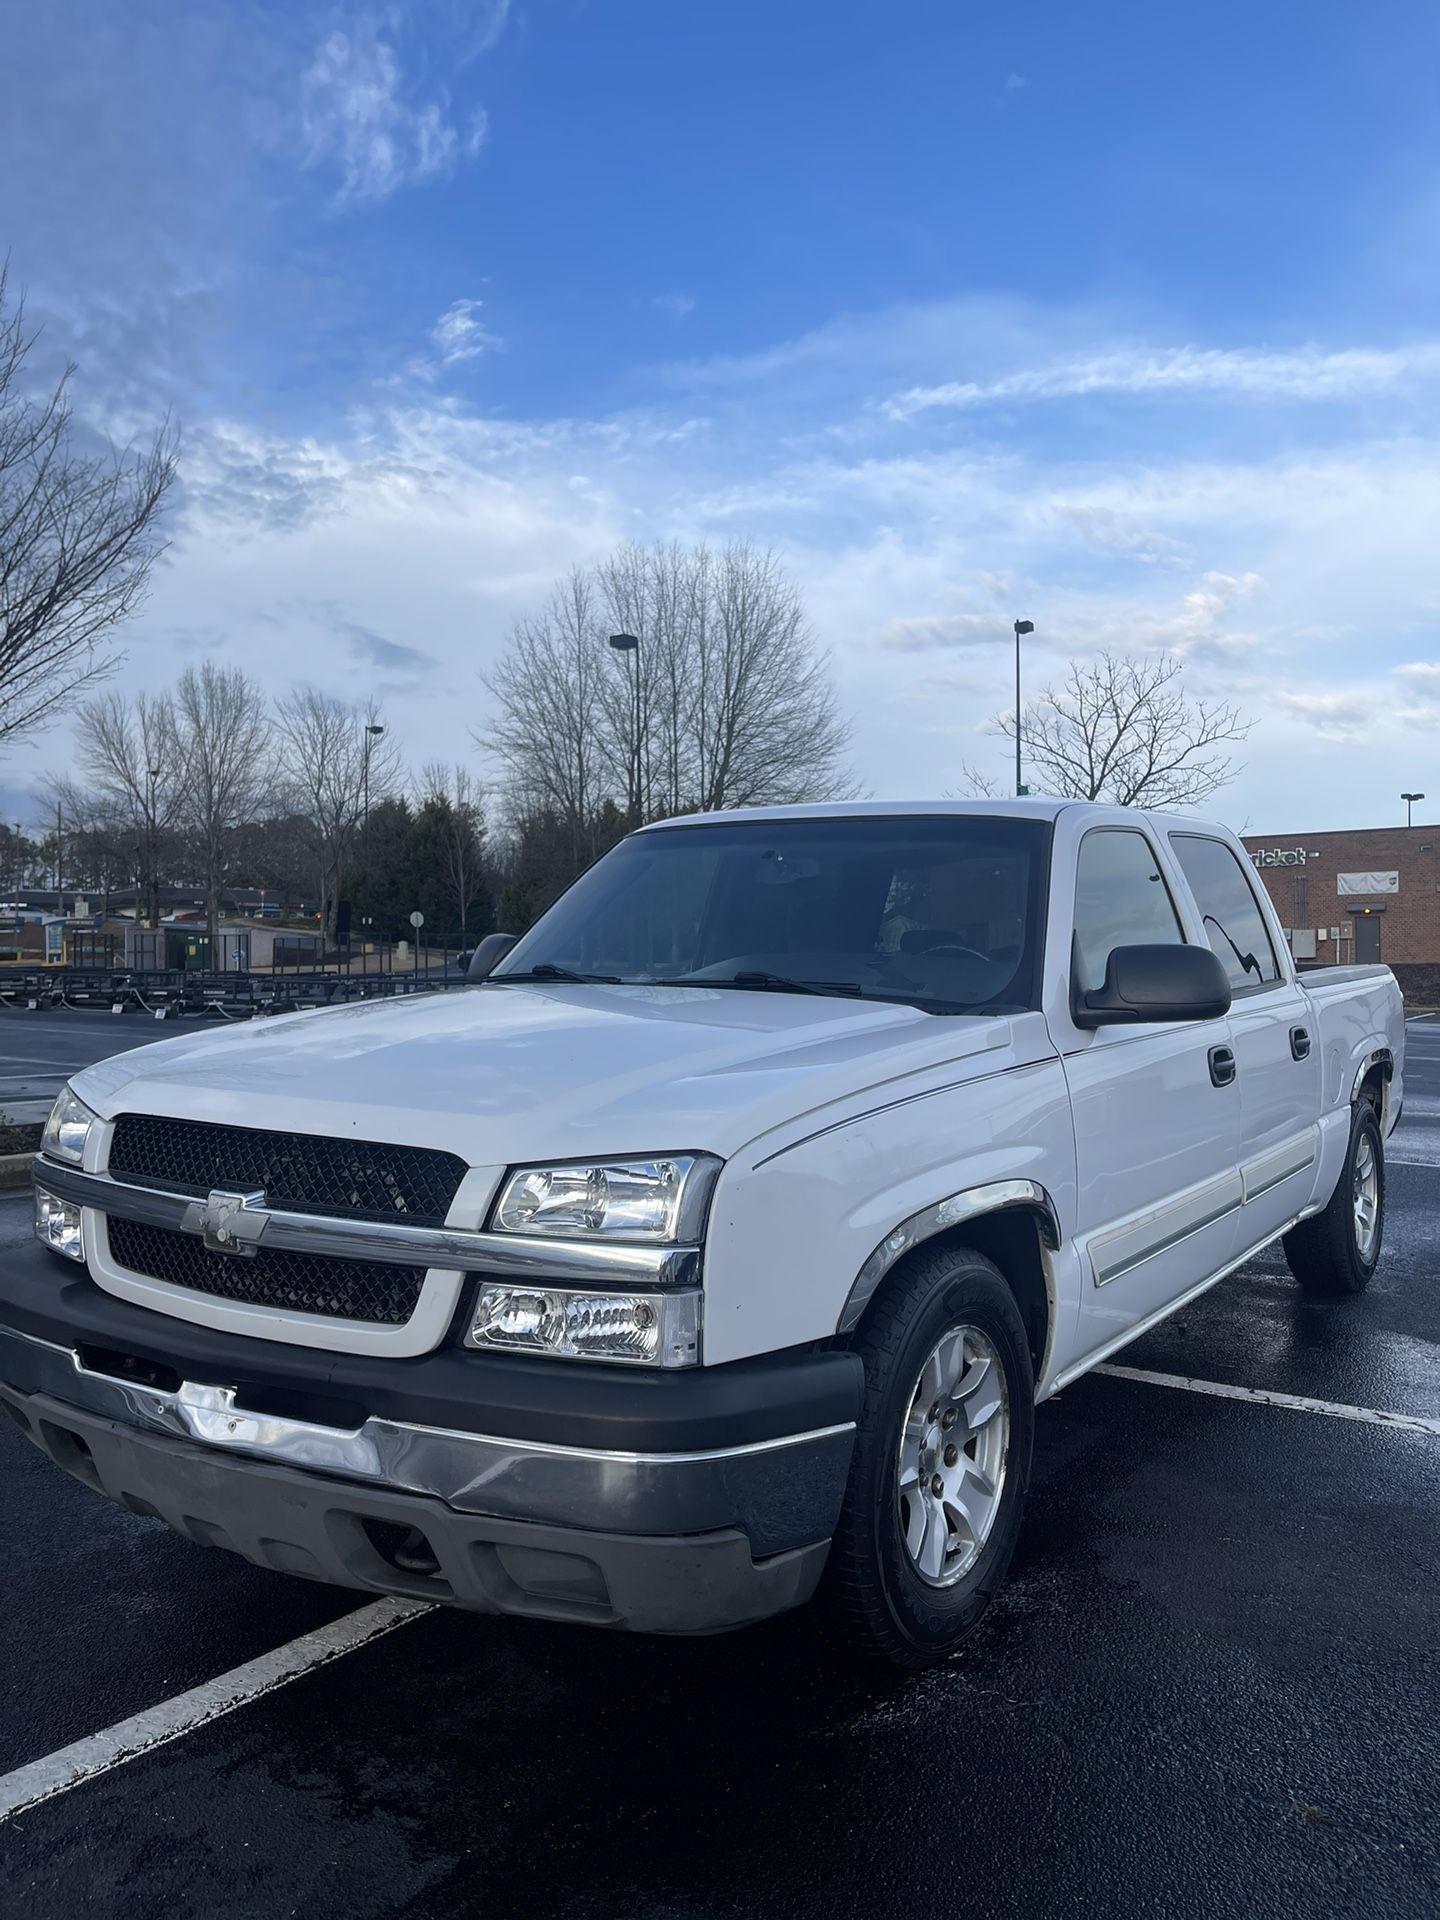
417 919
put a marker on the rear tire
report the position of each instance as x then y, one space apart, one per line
941 1466
1337 1251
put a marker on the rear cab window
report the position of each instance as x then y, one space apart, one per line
1233 922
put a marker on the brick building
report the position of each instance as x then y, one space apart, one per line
1372 893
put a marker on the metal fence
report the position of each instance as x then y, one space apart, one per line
178 993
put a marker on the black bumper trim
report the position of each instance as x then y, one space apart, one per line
578 1405
337 1531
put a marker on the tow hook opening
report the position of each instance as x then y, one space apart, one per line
404 1548
129 1366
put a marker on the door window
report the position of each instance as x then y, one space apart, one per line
1233 922
1121 900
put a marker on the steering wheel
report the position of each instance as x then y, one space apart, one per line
954 953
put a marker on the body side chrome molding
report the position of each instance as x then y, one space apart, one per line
501 1254
1267 1170
1083 1366
996 1196
1119 1250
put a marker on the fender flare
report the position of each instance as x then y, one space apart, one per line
1381 1057
996 1196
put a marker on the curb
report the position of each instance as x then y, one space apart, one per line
15 1171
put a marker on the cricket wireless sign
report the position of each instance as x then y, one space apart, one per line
1284 857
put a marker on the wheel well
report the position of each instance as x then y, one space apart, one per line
1372 1088
1011 1238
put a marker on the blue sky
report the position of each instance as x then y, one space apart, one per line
1122 319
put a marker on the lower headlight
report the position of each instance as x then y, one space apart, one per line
646 1329
58 1225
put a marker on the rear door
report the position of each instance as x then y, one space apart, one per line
1157 1140
1272 1027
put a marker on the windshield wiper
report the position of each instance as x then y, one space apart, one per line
547 970
781 983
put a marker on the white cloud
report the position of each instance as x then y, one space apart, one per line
1308 373
674 306
459 335
1343 714
359 117
1014 82
428 528
926 633
1115 532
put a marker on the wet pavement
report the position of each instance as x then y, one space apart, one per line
1210 1688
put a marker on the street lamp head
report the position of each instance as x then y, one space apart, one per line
1412 796
154 773
1024 626
374 731
624 642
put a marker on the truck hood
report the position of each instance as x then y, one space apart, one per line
502 1075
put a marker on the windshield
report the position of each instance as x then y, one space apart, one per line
943 911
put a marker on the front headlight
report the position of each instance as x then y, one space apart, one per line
661 1200
646 1329
67 1129
59 1225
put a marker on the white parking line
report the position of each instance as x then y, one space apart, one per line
1297 1403
98 1752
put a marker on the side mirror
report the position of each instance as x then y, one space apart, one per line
490 952
1155 983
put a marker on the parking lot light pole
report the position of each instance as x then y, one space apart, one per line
1410 799
1021 626
373 731
629 645
152 878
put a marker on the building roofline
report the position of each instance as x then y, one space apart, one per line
1335 833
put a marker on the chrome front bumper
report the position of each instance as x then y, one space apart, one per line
780 1493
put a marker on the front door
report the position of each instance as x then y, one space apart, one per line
1157 1111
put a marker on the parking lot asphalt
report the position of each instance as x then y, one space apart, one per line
1210 1687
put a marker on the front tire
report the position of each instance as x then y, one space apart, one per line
1338 1250
938 1481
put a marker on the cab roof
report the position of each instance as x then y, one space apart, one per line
1011 809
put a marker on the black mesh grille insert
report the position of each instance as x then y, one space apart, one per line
299 1172
296 1282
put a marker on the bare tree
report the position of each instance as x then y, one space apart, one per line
549 733
724 703
974 784
128 749
337 760
1124 730
79 535
765 728
455 794
93 847
222 738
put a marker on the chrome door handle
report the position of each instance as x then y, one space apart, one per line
1222 1066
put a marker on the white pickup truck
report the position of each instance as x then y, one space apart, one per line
713 1252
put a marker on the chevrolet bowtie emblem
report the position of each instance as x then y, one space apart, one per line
230 1222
